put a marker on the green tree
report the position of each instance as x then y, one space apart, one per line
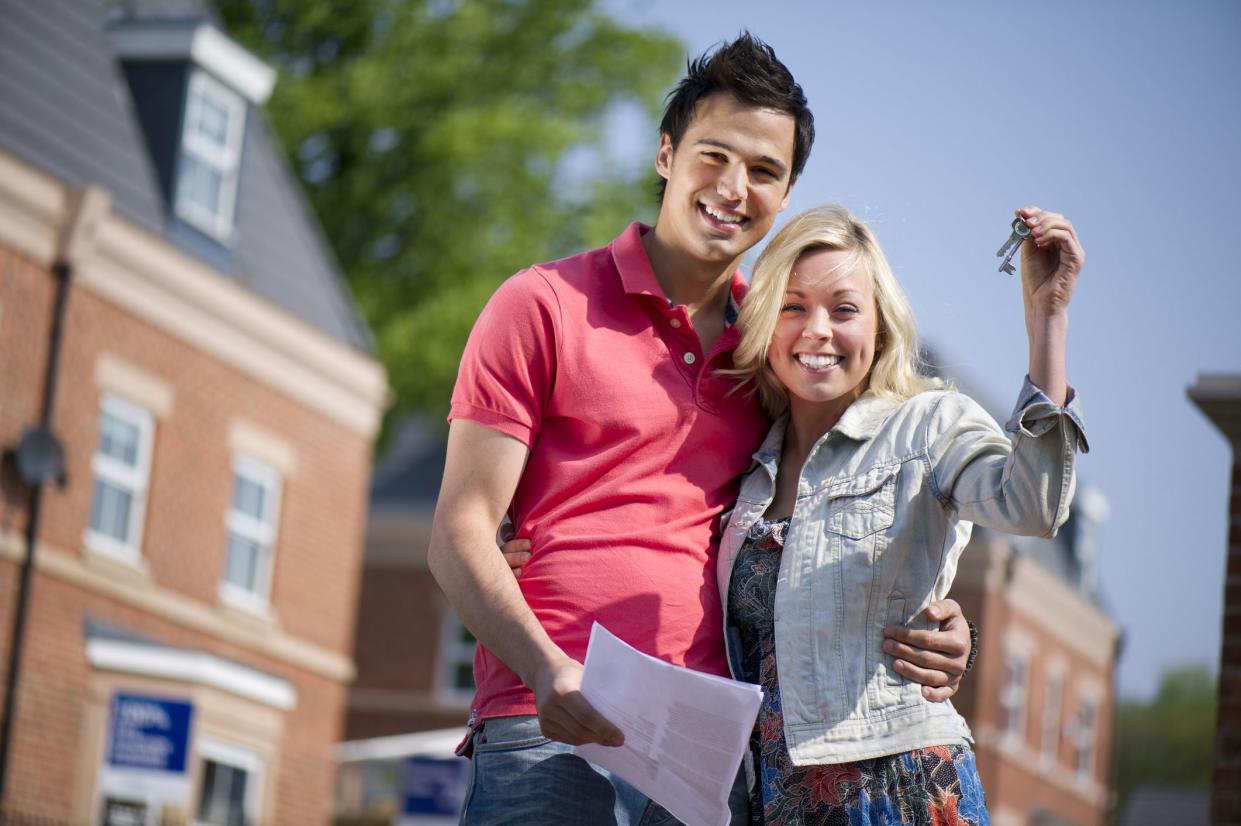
1170 740
436 138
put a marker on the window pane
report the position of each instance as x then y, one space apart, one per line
464 677
1086 734
212 121
237 799
200 184
109 512
1012 695
223 795
118 439
206 803
248 497
243 562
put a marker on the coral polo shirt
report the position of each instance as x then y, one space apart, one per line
636 447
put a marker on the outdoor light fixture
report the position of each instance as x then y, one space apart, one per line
40 457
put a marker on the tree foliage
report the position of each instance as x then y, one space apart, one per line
1170 740
433 137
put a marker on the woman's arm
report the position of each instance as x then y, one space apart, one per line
1050 264
1021 482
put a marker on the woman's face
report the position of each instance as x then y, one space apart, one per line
824 341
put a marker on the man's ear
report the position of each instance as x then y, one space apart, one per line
663 158
788 193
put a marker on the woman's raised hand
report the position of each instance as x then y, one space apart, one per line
1050 261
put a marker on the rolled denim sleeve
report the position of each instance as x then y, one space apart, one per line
1036 413
1017 480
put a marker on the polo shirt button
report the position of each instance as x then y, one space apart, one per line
689 358
675 323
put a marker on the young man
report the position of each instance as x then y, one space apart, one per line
589 407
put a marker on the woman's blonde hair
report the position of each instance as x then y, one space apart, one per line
898 370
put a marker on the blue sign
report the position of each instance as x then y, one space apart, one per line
149 733
431 786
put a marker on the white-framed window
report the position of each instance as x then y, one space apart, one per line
1013 694
121 471
230 785
1084 731
252 521
455 670
1050 723
206 192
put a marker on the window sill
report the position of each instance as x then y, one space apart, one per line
106 554
246 608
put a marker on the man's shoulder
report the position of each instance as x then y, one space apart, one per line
560 283
582 267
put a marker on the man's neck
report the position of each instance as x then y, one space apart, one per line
702 286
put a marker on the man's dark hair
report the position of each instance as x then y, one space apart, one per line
748 69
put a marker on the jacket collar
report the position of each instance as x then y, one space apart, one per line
862 419
860 422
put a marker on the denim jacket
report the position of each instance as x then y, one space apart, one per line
885 504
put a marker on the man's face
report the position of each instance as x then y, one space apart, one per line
728 178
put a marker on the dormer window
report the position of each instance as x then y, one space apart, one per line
192 88
206 192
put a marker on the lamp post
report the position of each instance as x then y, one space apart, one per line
39 455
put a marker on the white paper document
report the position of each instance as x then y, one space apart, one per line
685 731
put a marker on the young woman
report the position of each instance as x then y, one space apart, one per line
863 497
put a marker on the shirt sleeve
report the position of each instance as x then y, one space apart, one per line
508 368
1035 414
1017 480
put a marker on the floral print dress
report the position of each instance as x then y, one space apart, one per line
931 786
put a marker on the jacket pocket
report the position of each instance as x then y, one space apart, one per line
863 505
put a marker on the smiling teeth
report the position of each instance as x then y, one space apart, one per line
723 216
818 362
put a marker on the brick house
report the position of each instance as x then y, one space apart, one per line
406 682
1040 702
1219 397
188 644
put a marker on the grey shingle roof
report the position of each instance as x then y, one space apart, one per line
409 473
66 109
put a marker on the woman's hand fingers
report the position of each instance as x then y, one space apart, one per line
936 659
1052 261
516 554
927 676
950 642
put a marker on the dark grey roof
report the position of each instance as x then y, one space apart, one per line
1167 806
409 473
66 108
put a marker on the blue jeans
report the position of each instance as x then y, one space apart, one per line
518 776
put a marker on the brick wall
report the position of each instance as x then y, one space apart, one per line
397 640
1226 795
322 507
1016 778
317 557
396 651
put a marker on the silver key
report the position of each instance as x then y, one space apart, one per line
1021 231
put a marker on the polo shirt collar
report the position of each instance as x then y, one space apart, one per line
638 278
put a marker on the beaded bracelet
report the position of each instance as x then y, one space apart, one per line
969 663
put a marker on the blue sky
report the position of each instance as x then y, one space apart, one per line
936 120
